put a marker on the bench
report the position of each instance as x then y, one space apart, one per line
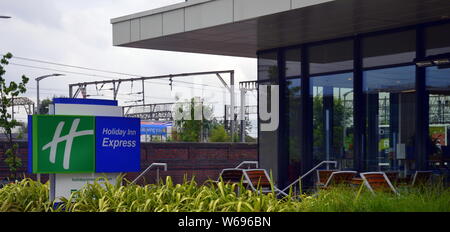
259 180
421 178
340 178
378 181
231 175
322 177
393 176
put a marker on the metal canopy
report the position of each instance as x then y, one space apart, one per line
329 20
27 103
81 88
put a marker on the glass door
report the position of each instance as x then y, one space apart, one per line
333 118
390 98
438 87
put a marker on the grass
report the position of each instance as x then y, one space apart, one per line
29 195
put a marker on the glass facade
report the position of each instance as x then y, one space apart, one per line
332 97
331 90
389 95
438 91
292 67
268 140
331 57
294 125
437 39
390 98
360 100
268 66
438 88
389 49
292 113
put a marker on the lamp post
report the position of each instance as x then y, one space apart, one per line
37 101
37 87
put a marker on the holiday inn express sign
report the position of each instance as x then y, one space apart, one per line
84 144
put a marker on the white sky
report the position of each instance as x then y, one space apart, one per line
78 32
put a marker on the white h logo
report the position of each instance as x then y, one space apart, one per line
73 133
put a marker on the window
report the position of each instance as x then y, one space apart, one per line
268 140
390 118
292 59
387 49
333 118
293 64
438 87
268 66
331 57
438 39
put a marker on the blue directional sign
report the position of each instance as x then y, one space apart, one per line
117 144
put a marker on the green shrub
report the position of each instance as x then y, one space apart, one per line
219 134
24 196
434 199
29 195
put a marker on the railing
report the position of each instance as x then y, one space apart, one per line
247 162
148 168
310 171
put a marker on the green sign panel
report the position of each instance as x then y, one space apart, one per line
437 130
63 144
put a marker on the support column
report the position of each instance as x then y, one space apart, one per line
394 124
307 121
371 160
232 103
71 91
283 156
143 92
242 115
328 122
358 107
422 110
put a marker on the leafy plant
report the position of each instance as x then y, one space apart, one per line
29 195
190 128
25 196
219 134
9 91
44 106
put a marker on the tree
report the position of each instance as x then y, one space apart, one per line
219 134
8 91
44 106
190 129
341 119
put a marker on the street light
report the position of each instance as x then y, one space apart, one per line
37 102
37 86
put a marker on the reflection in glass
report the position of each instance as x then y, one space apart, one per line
268 140
331 57
438 39
390 124
333 118
268 66
438 87
386 49
293 64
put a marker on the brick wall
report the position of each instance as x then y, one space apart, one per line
23 154
202 160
